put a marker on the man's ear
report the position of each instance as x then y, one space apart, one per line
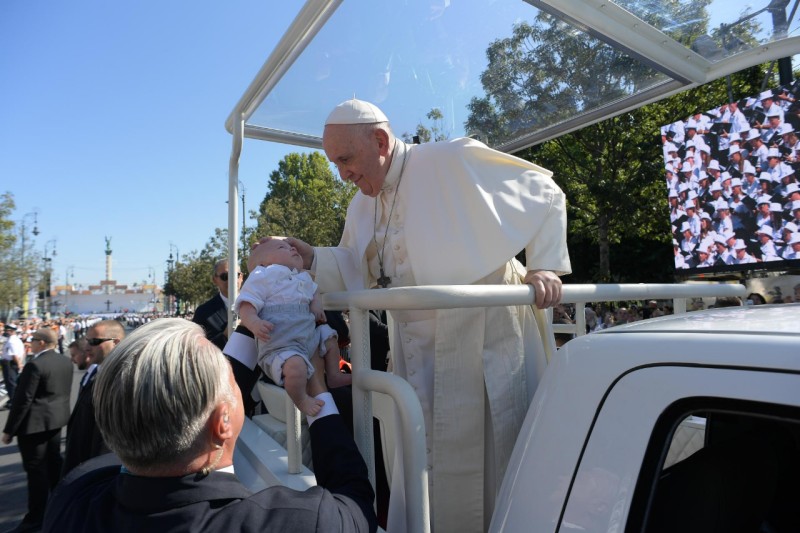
221 426
382 137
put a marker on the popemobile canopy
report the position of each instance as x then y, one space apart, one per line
417 55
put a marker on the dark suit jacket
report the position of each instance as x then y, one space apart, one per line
106 500
213 316
84 439
41 401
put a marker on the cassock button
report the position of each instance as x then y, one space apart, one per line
396 247
412 372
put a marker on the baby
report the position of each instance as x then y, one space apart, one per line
280 305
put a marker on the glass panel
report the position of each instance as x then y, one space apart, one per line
418 55
717 29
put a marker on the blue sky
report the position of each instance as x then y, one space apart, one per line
112 123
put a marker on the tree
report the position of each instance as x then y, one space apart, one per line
436 131
305 200
18 265
611 172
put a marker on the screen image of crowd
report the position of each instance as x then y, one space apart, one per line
732 185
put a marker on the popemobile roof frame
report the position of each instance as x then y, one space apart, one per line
417 55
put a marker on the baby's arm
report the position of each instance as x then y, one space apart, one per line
260 328
316 308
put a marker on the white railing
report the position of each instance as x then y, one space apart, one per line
411 428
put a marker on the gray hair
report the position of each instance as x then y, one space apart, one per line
156 391
217 265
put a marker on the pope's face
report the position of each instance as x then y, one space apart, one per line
359 153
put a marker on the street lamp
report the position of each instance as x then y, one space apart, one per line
177 253
176 261
24 280
48 262
244 211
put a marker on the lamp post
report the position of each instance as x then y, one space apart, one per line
48 264
70 273
177 262
24 280
244 212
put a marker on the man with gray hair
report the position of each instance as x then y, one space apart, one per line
169 407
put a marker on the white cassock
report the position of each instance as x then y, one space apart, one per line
461 213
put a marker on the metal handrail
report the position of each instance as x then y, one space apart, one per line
450 297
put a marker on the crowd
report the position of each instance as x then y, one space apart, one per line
731 179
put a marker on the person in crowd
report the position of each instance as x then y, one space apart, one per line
792 250
767 248
80 354
417 209
40 410
680 259
689 242
727 301
280 304
171 411
591 318
722 254
741 256
13 358
84 439
750 184
769 106
756 298
213 314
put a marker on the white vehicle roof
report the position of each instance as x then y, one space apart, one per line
781 319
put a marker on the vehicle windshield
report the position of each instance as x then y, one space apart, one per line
512 73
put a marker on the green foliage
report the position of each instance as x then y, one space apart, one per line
305 200
436 131
611 172
189 280
18 265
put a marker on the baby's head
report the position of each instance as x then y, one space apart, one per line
275 251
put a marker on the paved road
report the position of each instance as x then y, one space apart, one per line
13 483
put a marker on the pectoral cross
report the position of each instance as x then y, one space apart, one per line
384 280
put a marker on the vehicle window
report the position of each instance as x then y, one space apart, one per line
733 467
687 439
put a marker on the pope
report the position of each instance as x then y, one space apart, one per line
455 213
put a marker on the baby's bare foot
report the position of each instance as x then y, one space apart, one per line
310 406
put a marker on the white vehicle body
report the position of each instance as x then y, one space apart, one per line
582 448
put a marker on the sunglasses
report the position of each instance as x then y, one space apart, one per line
98 341
224 276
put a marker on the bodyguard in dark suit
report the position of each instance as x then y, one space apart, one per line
40 410
213 314
84 439
177 450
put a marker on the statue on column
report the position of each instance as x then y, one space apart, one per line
108 245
